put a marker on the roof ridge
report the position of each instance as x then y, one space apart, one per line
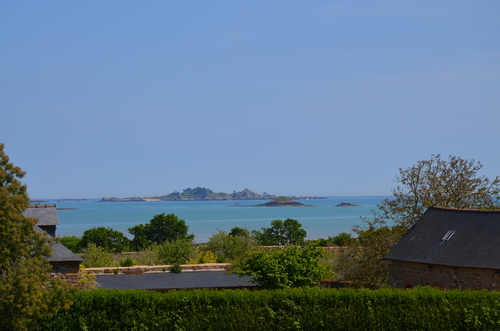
38 205
466 209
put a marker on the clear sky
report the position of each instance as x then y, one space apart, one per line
136 98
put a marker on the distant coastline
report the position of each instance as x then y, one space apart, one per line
201 193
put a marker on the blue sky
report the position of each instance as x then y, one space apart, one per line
134 98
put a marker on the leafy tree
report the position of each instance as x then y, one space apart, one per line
231 246
454 183
159 229
23 264
176 251
285 233
340 239
286 267
73 243
107 238
436 182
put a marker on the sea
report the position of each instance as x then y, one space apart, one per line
205 218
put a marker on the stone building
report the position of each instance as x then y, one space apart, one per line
450 249
63 261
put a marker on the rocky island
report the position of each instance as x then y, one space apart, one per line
282 202
346 204
202 193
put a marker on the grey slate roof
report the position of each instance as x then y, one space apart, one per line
168 280
61 254
44 215
452 237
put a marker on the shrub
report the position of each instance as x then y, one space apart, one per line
128 262
94 257
176 251
288 267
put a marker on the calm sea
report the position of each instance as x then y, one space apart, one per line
204 218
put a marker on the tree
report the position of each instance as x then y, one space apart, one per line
159 229
176 251
23 253
96 257
340 239
110 240
232 246
436 182
285 233
73 243
454 183
286 267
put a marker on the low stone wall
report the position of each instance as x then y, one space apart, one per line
141 269
409 274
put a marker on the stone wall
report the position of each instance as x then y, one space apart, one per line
140 269
409 274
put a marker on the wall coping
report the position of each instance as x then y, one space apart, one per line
140 269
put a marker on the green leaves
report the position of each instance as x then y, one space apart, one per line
159 229
287 267
281 233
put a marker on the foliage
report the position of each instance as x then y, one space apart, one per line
176 268
436 182
23 253
148 256
454 184
203 256
290 309
159 229
177 251
232 246
111 240
128 262
286 267
284 233
340 239
87 281
73 243
95 257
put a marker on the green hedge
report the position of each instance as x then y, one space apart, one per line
296 309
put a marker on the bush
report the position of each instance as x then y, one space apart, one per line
288 267
95 257
128 262
176 251
176 268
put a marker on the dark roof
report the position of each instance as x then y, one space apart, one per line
45 214
452 237
61 254
168 280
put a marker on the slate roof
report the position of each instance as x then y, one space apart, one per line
61 254
168 280
45 214
452 237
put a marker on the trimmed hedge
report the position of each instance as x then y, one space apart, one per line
295 309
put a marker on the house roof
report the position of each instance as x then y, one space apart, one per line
168 280
452 237
45 214
61 254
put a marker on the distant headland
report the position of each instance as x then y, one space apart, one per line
201 193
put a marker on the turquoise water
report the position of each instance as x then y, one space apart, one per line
205 217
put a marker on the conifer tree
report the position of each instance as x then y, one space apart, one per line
23 251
